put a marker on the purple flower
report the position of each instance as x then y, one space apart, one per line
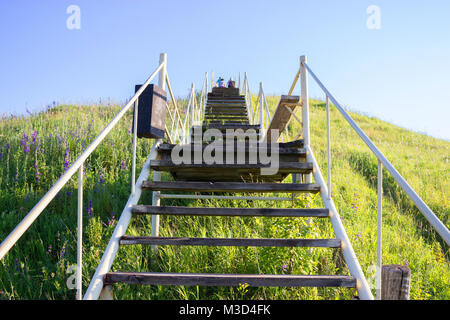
34 136
38 174
1 156
49 249
63 251
66 159
25 137
124 166
26 149
102 178
90 209
406 263
358 236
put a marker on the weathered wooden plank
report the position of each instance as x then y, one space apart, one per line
282 116
229 280
230 126
395 282
193 186
230 212
292 144
228 242
283 167
259 147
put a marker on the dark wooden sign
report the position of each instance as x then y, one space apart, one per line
151 112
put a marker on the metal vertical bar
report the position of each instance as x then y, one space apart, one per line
261 109
379 229
79 277
329 148
157 174
133 164
305 110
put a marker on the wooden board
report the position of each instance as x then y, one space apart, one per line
236 242
282 116
230 212
285 167
193 186
228 280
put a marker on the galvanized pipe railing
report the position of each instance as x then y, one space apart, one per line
382 161
34 213
421 205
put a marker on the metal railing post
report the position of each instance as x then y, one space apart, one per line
133 164
379 229
79 274
157 174
305 110
329 148
261 110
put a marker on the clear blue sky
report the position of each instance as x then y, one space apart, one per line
399 73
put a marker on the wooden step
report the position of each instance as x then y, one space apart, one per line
230 212
226 113
230 242
231 126
238 148
193 186
283 167
228 280
229 116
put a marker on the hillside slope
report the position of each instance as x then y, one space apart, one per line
35 151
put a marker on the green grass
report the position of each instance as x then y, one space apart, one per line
37 266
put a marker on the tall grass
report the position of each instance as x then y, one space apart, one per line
35 150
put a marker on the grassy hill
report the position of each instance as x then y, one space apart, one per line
35 150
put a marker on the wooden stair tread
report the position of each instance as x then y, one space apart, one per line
230 212
229 280
230 126
166 147
290 167
237 242
193 186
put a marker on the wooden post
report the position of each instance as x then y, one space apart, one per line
107 293
395 281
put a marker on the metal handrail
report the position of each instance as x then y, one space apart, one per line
421 205
34 213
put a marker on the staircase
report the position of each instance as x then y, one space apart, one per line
226 109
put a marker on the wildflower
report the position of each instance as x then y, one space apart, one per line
38 174
25 137
66 159
26 149
17 265
1 156
90 209
34 136
124 166
102 178
63 251
49 250
358 236
406 263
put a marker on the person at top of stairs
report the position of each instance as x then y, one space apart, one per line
220 82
